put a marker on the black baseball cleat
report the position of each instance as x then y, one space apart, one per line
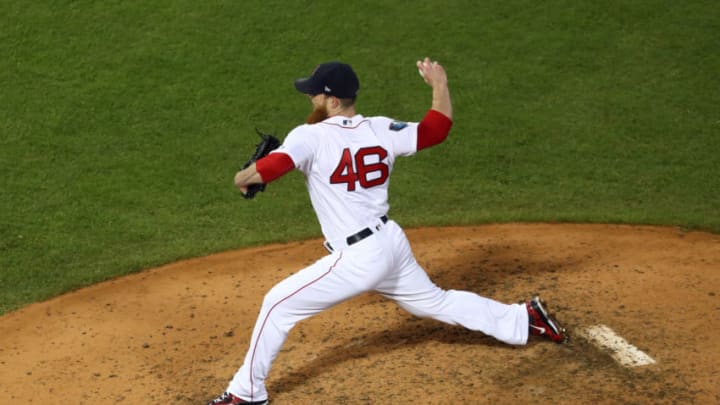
229 399
542 324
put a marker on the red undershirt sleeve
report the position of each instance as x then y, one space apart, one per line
273 166
433 129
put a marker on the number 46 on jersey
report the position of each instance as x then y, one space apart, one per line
366 168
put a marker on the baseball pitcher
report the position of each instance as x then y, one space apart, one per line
347 160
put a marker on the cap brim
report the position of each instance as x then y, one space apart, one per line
306 86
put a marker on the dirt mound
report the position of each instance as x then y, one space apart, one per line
179 332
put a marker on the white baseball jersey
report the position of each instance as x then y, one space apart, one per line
347 164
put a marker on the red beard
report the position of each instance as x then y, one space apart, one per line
317 115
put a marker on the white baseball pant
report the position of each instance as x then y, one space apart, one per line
382 262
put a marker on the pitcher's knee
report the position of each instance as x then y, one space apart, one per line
431 306
273 298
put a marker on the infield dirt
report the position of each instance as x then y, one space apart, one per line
177 334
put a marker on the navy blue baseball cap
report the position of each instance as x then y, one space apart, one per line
331 78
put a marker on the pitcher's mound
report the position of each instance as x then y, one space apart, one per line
177 334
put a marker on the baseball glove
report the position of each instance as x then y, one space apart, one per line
268 143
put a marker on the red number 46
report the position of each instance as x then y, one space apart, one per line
351 170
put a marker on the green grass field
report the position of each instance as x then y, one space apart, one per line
123 123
